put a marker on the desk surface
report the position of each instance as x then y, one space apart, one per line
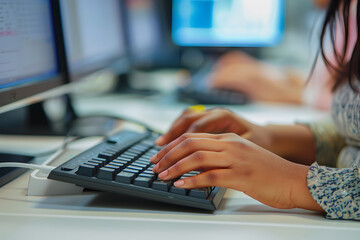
97 215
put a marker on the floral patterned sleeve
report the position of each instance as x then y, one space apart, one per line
336 190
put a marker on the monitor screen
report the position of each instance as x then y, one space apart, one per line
242 23
28 53
144 30
93 33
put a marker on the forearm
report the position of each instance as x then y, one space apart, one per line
292 142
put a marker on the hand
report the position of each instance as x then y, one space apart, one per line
217 120
261 82
227 160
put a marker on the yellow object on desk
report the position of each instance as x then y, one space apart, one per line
197 108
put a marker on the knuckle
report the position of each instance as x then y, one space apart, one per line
188 142
193 181
177 168
199 156
212 177
185 136
165 160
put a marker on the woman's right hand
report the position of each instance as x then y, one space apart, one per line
217 120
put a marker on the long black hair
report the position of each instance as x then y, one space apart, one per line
343 69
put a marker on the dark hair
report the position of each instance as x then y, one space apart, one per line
342 69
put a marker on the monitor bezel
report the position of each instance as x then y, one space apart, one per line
14 94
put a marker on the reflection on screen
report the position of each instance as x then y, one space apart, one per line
93 31
227 22
27 45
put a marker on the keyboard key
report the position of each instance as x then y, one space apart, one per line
139 164
106 156
152 176
129 154
180 191
101 162
161 185
140 148
143 181
119 161
135 168
117 165
125 177
124 159
107 173
86 170
199 192
135 151
148 172
143 160
131 170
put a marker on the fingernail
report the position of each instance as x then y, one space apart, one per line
163 174
179 183
155 168
152 159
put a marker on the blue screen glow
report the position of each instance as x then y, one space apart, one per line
242 23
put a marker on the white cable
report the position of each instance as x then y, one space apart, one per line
45 169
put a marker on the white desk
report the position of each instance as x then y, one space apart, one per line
102 215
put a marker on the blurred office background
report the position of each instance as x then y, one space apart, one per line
155 52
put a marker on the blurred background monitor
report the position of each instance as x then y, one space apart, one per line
227 23
148 28
94 36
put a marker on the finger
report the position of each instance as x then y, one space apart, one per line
179 127
209 123
217 177
205 160
156 158
184 149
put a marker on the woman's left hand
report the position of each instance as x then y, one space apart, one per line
227 160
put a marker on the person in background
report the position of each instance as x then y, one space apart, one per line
313 166
264 82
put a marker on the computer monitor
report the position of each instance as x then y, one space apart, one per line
31 68
94 37
227 23
28 50
148 34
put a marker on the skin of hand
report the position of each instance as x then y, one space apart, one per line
227 160
238 71
217 120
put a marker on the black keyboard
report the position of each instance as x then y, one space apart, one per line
121 164
211 96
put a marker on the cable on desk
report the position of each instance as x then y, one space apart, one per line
45 169
72 131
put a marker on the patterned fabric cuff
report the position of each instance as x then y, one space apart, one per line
336 190
328 143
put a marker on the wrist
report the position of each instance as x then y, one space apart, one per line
299 192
